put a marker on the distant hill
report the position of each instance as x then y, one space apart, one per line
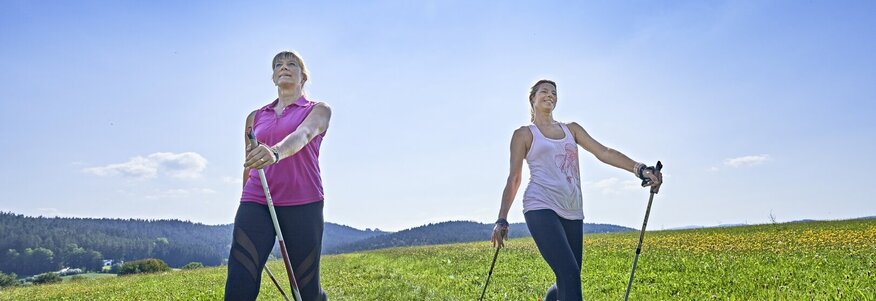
451 232
31 245
176 242
687 227
335 235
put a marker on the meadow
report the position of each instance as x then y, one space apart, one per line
829 260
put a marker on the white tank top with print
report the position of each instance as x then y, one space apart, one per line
555 181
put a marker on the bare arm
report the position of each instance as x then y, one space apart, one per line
520 142
314 124
605 154
317 122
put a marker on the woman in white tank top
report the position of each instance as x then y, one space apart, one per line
552 200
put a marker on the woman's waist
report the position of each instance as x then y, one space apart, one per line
559 186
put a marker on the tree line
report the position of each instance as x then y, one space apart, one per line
33 245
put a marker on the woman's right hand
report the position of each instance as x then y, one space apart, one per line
259 156
500 233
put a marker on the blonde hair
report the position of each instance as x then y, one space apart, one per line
532 94
286 54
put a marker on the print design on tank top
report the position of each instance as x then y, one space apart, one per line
568 164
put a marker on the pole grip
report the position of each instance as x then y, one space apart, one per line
251 135
647 182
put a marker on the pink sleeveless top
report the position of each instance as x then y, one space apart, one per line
555 180
294 180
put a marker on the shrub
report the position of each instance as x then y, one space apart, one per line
47 278
193 265
149 265
115 268
7 280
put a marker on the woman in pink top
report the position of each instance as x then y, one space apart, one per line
552 200
290 130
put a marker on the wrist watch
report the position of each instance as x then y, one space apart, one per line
276 154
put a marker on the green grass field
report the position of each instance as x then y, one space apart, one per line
794 261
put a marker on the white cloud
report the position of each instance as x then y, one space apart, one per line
186 165
747 160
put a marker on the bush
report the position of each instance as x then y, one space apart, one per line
115 268
47 278
193 265
7 280
149 265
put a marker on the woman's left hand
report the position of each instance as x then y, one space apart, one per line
654 176
259 157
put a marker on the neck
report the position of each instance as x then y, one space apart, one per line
543 118
288 95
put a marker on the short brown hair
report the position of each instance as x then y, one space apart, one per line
286 54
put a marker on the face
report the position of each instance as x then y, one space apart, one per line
545 97
287 72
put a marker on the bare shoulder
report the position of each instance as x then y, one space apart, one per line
574 126
522 134
577 130
322 107
250 118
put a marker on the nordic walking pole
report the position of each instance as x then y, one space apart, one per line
490 274
645 182
282 292
292 282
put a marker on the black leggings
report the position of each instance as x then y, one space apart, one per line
254 239
560 242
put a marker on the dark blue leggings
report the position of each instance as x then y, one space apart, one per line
254 238
560 242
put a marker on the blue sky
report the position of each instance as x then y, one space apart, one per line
134 110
